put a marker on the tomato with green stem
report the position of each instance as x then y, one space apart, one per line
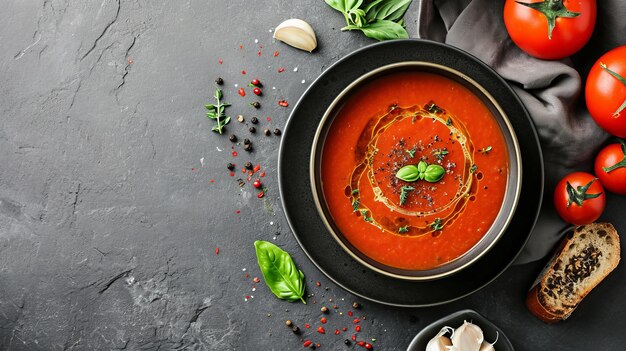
610 167
605 92
579 198
550 29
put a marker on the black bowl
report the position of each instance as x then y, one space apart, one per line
307 225
490 331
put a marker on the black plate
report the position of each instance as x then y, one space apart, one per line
490 331
307 226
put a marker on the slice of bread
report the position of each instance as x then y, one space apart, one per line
582 260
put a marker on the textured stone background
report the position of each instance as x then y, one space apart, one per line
107 236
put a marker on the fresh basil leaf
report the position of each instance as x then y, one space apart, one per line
352 4
281 275
393 10
338 5
357 17
384 30
371 5
408 173
434 173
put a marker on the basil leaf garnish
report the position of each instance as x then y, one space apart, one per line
281 275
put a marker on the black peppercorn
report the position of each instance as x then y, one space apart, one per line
255 104
230 166
219 81
276 131
267 132
347 342
312 347
356 305
233 138
248 165
295 329
248 147
254 120
252 130
324 309
246 141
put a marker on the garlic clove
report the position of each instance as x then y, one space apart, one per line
297 33
441 342
468 337
485 346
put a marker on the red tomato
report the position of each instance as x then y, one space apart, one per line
610 167
579 198
606 92
528 24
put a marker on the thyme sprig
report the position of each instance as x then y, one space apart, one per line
216 112
404 193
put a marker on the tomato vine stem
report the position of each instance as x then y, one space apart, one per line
552 9
622 80
620 164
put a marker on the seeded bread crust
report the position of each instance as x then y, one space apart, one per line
581 261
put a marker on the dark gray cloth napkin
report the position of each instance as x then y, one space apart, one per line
551 90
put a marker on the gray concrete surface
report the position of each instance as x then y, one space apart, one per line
107 235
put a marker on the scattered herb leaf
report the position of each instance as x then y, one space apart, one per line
449 122
355 191
216 112
440 154
473 169
355 205
437 224
411 152
404 193
281 275
486 149
404 229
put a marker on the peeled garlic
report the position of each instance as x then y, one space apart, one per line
296 33
441 342
468 337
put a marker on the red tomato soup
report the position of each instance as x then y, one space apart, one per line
413 220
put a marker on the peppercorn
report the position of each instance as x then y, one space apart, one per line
248 147
356 305
233 138
248 165
276 131
230 166
312 347
295 329
240 118
252 130
246 141
347 342
219 81
255 104
254 120
324 309
288 323
267 132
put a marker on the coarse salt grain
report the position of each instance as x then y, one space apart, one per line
295 69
